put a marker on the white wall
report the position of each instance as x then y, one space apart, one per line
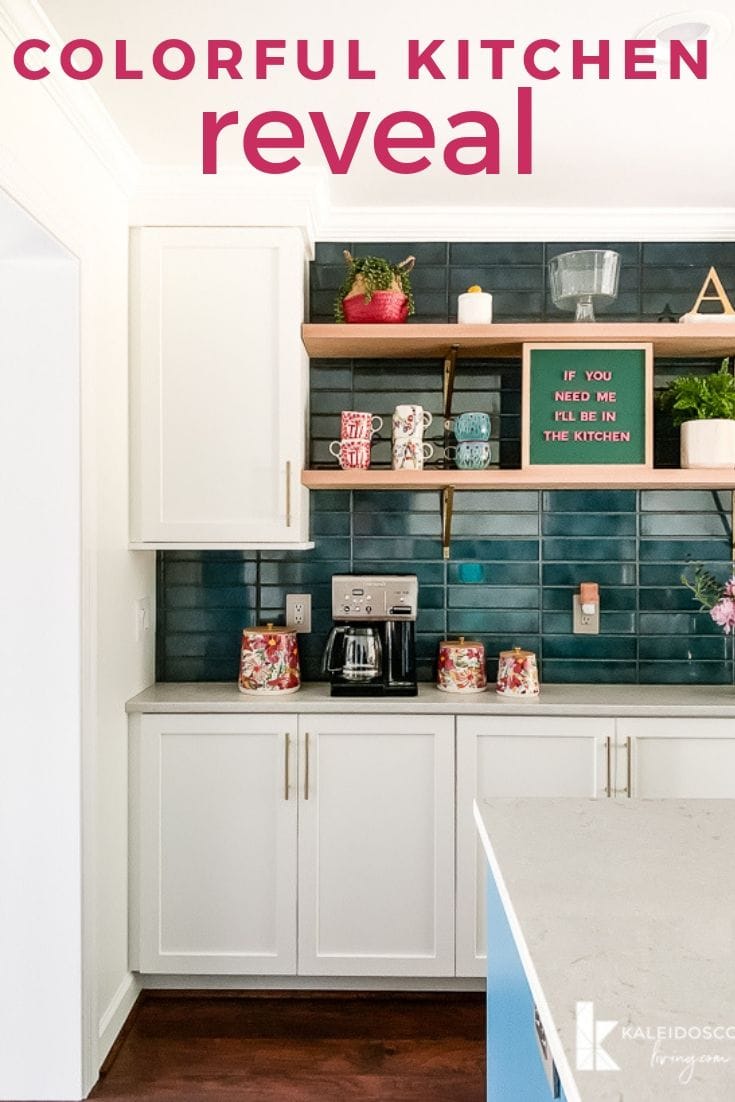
70 947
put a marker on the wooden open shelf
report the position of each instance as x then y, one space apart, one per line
695 340
555 478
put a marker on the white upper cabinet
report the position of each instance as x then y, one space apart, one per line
219 388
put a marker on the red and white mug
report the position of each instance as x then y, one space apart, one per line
352 454
358 425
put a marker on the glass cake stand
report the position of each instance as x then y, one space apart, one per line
581 278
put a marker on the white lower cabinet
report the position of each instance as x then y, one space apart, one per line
376 846
231 814
516 756
679 758
214 852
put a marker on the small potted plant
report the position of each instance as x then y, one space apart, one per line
374 290
704 407
717 599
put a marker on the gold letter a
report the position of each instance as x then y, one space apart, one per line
720 294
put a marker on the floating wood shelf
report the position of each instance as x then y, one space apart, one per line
609 478
696 340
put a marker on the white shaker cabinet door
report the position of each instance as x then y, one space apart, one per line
219 387
680 758
214 844
508 757
376 845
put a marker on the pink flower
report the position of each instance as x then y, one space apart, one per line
723 613
729 590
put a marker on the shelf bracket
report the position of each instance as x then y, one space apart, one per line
450 366
447 509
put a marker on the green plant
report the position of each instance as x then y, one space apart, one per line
700 397
374 273
713 597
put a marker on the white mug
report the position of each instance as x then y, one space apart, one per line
410 421
409 454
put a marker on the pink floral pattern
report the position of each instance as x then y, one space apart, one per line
517 674
461 669
269 662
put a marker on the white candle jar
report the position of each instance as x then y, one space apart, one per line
475 308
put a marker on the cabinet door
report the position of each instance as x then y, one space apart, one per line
219 387
215 853
516 756
681 758
376 845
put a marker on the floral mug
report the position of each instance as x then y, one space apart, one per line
409 420
352 454
409 454
358 425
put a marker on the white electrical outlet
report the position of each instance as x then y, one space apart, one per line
298 611
585 623
143 618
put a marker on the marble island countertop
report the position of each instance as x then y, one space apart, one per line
628 905
560 700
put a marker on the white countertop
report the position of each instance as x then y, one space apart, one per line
630 905
563 700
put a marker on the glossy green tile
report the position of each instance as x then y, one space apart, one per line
692 550
685 524
377 547
589 524
666 573
611 623
426 252
604 573
465 621
397 524
689 649
667 597
495 596
590 646
491 551
685 673
677 623
588 550
210 597
675 501
494 278
587 672
330 524
483 525
206 574
508 253
219 644
589 501
502 501
505 573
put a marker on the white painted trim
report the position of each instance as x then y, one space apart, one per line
21 19
115 1016
309 983
528 224
304 545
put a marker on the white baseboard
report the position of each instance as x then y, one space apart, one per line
308 983
113 1019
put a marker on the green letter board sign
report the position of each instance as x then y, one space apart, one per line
587 405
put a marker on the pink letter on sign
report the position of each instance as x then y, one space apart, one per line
264 58
215 61
188 59
637 53
121 63
489 143
423 59
384 142
697 65
252 142
338 163
529 59
19 59
211 129
95 59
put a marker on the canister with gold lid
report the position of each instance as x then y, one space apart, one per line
461 666
517 673
269 661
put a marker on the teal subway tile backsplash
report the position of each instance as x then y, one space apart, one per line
517 556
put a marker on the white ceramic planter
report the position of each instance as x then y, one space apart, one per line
708 443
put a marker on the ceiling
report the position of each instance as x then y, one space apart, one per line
617 143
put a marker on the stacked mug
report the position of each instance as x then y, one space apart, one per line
472 452
357 431
409 449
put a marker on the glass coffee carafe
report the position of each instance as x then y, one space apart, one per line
355 653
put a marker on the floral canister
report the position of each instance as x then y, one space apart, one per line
461 666
269 661
517 673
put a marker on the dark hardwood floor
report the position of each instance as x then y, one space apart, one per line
298 1048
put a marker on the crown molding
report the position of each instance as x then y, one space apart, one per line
183 196
21 19
528 224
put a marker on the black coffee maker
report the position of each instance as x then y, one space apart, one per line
371 651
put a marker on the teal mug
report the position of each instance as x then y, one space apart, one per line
472 426
470 455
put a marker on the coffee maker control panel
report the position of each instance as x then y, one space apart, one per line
374 597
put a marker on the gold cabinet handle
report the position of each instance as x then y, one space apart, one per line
629 766
306 766
608 752
287 779
288 494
